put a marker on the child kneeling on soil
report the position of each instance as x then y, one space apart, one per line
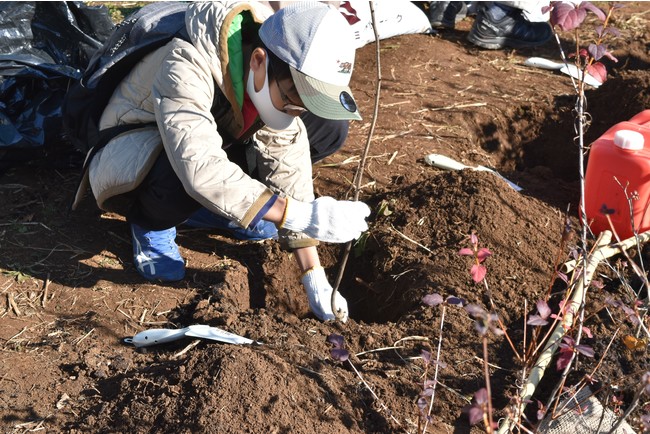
230 149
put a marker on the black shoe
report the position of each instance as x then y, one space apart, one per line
513 30
446 14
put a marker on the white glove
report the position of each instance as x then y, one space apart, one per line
319 294
327 219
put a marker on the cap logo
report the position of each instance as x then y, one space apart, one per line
347 102
345 67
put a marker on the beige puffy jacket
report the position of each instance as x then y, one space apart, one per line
175 87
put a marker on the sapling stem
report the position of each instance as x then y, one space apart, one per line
525 330
488 388
501 324
579 292
362 164
435 372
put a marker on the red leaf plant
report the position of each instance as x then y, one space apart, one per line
478 270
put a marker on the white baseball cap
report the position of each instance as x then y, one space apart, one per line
317 43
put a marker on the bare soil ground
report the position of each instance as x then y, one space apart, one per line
70 292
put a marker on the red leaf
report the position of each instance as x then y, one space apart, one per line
483 253
567 17
597 51
337 340
475 414
455 301
481 396
475 310
432 299
564 359
543 309
598 71
599 13
465 251
585 350
339 354
478 272
536 320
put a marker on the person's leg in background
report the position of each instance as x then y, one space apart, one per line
506 24
442 14
326 136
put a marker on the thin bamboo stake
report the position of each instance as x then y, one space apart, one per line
537 371
362 164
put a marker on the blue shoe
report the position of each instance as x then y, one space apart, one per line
203 218
156 255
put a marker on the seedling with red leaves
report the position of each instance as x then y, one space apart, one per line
478 270
478 410
568 16
485 322
567 348
425 401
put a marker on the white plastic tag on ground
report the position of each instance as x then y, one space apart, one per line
568 69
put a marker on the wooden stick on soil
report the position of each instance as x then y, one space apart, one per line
186 349
359 175
45 288
411 240
12 303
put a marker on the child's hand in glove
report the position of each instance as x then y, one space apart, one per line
319 294
327 219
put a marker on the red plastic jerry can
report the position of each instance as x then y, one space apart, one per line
618 178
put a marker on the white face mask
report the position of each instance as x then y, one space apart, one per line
272 117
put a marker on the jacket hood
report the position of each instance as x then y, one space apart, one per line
208 24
